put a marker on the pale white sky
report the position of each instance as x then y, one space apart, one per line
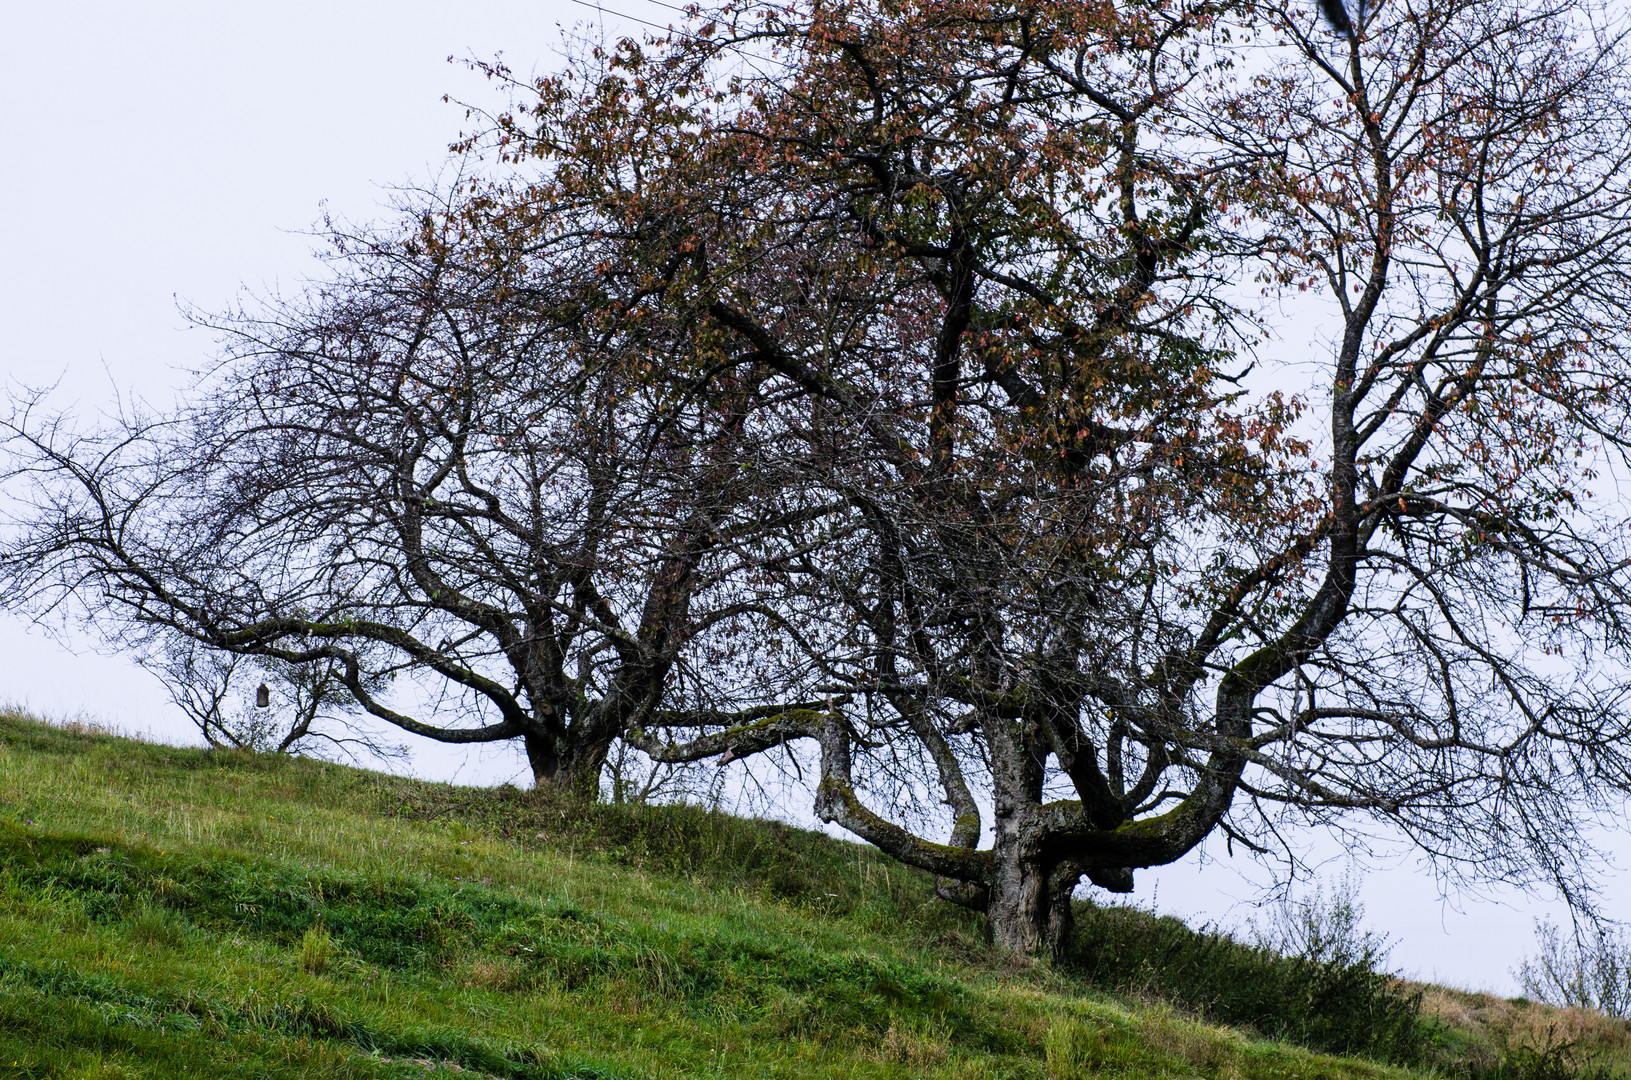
165 151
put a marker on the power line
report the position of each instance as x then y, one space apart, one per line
604 10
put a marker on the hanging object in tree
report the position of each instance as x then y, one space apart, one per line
263 697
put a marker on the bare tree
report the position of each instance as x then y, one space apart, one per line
1590 971
418 469
309 710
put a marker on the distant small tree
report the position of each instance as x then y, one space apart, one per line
310 710
1589 970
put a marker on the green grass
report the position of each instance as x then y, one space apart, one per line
175 912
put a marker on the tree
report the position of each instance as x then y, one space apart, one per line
1079 580
309 708
413 470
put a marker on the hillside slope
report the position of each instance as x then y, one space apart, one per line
177 912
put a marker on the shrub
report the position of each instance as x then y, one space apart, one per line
1592 971
1331 996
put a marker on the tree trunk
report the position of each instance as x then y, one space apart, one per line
542 756
565 767
1017 912
1030 907
1029 904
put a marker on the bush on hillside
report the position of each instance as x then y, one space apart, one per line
1332 997
1590 969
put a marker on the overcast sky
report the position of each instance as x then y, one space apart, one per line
158 153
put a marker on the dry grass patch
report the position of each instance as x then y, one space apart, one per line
929 1046
492 973
1496 1026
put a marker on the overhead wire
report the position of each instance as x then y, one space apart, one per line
603 10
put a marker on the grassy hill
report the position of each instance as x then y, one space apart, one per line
177 912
